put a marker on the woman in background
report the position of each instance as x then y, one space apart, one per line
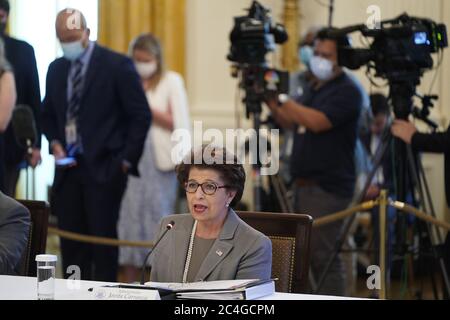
152 196
7 102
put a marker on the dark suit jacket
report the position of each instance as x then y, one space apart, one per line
14 232
240 252
114 113
21 56
437 143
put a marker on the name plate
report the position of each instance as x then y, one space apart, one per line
116 293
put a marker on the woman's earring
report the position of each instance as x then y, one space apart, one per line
227 205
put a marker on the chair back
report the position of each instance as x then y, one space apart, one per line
290 234
37 240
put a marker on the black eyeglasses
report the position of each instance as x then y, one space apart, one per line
208 187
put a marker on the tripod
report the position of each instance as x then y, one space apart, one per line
277 187
410 173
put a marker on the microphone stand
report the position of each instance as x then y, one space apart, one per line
30 153
168 227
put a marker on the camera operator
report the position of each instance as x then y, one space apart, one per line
299 80
438 142
325 118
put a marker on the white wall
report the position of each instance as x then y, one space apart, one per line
212 91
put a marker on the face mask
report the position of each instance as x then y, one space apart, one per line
72 50
146 69
305 54
321 68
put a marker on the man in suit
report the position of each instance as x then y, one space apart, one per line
21 56
14 232
96 112
372 140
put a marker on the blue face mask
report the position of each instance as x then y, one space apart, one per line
72 50
305 54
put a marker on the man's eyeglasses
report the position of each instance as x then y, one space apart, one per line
208 188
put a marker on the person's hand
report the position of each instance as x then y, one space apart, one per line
272 101
126 167
35 158
58 151
372 192
403 130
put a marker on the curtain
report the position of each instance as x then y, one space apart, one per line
291 14
121 20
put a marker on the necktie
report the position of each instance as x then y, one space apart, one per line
74 101
74 142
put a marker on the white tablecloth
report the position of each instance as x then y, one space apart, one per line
24 288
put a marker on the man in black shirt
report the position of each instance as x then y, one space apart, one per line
325 119
438 142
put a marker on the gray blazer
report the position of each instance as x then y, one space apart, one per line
240 252
14 231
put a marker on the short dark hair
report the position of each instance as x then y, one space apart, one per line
232 172
4 5
341 41
379 104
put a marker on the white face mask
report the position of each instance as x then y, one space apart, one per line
146 69
321 68
72 50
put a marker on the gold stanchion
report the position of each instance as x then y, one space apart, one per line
383 205
406 208
343 214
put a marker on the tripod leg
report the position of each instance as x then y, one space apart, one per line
33 185
278 187
417 180
26 183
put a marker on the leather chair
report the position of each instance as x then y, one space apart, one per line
290 234
37 240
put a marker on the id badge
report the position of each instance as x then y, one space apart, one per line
301 130
71 132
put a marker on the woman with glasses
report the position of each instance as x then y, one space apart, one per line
212 242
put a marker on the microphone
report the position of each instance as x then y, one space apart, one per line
24 127
168 227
